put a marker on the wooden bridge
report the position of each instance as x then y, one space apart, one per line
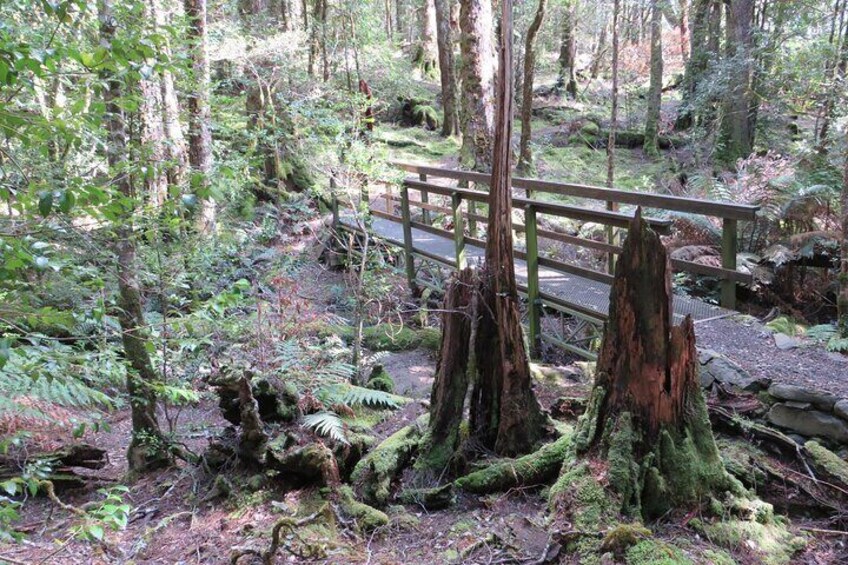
550 285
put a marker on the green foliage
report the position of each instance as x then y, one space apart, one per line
352 395
327 424
111 513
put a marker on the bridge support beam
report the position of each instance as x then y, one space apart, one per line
409 259
458 231
729 244
533 300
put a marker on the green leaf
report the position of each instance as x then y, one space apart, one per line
10 486
45 202
95 531
66 201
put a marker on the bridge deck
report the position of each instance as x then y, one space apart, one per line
581 293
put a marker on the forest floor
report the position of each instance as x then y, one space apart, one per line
184 515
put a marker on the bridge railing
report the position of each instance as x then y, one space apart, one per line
729 213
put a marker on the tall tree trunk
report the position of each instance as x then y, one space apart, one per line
616 10
842 300
476 73
447 68
175 147
699 57
199 133
598 56
568 51
147 447
426 54
152 140
505 413
835 74
652 116
737 132
525 157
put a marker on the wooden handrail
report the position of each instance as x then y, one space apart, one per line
718 209
605 217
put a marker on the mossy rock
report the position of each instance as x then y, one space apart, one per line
772 543
382 337
656 552
827 461
620 538
431 338
380 380
367 518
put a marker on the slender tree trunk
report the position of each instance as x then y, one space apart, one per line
505 413
568 51
652 117
737 133
842 300
476 72
616 10
447 68
525 158
147 447
426 54
600 50
698 60
683 24
835 74
175 146
199 134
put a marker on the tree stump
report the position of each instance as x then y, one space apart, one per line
646 435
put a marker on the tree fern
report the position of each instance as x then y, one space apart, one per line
327 424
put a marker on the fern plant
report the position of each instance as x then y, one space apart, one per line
327 424
352 395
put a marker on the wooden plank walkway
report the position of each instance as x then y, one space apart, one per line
586 296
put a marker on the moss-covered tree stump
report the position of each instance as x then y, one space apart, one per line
644 445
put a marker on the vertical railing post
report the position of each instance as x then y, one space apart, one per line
407 238
472 211
458 231
729 243
533 301
334 203
425 199
612 207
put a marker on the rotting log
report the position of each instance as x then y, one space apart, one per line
61 462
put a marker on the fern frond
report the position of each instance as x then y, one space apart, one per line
336 370
352 395
327 424
838 344
822 332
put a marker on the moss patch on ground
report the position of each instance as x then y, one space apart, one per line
656 552
772 543
825 459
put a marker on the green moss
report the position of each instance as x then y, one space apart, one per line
718 557
534 468
773 543
623 471
380 380
382 337
744 461
434 498
431 338
656 552
367 518
587 424
374 473
828 460
621 537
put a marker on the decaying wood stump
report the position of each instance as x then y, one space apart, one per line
646 424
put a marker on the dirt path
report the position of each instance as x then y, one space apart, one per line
752 346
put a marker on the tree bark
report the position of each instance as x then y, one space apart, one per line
505 413
737 128
477 75
652 116
842 300
152 140
200 135
646 419
568 51
614 95
525 157
835 74
426 54
447 67
147 448
600 49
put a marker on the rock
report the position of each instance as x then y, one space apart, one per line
809 422
717 367
590 128
841 409
784 342
821 400
798 405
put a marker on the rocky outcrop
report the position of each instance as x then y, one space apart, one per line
715 367
810 423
